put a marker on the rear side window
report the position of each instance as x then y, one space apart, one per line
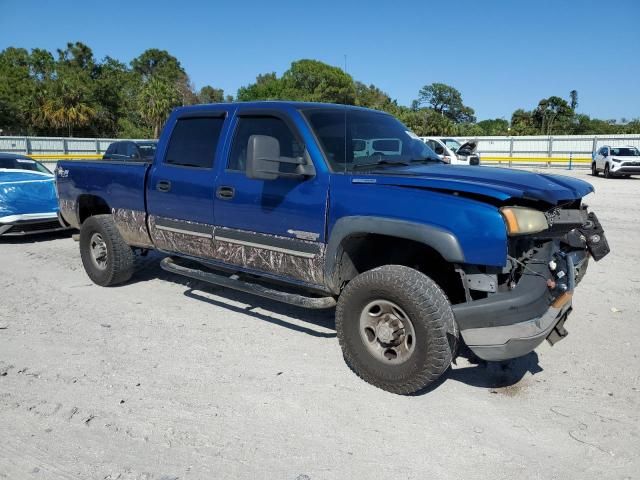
194 141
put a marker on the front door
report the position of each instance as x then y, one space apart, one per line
180 189
276 226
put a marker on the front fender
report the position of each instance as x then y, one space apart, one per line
441 240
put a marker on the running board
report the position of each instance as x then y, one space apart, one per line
169 264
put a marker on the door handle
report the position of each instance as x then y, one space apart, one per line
225 193
163 186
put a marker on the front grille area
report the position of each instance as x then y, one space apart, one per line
33 227
631 164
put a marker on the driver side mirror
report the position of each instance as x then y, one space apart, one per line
264 161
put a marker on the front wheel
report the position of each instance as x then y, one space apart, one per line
607 173
594 169
393 324
106 257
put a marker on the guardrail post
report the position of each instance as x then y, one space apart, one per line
594 146
570 160
65 147
510 151
27 145
97 146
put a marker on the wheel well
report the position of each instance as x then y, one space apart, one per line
361 252
89 205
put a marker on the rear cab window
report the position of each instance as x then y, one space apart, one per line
194 141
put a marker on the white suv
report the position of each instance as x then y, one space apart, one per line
452 151
616 161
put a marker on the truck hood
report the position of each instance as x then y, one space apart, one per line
499 183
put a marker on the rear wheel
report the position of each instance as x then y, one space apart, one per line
393 324
106 257
594 169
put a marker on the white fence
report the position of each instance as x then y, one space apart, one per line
56 147
562 150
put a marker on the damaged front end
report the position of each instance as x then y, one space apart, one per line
510 311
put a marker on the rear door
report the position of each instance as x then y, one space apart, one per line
276 227
180 188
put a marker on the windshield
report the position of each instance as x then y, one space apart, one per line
625 152
452 144
147 150
358 139
23 164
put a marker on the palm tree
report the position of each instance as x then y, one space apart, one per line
67 107
155 101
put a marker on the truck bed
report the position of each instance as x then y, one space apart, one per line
120 185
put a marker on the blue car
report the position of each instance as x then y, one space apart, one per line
28 201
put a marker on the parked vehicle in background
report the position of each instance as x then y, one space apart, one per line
130 151
274 198
28 201
616 161
452 151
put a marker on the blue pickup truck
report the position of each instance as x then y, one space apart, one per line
277 199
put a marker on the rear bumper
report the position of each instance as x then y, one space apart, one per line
510 324
31 223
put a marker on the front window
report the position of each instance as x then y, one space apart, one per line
452 144
359 139
625 152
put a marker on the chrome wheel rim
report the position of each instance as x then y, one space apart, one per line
98 249
387 332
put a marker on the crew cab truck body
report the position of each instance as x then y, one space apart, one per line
273 198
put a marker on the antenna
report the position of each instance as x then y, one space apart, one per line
345 117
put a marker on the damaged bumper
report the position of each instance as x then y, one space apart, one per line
512 323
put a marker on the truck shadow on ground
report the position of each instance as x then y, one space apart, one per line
504 377
149 269
37 237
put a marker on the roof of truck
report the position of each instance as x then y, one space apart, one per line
277 104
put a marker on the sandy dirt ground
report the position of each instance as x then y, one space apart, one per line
165 378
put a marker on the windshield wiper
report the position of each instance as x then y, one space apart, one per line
427 160
380 163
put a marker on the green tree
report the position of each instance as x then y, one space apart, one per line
496 126
68 104
371 96
447 101
16 89
208 94
159 64
266 87
573 96
314 81
427 122
522 123
553 115
155 101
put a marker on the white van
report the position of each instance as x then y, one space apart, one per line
452 151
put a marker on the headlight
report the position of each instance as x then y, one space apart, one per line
616 160
521 220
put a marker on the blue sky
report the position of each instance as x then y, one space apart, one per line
501 55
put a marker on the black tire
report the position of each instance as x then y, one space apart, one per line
607 173
117 264
594 169
430 314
